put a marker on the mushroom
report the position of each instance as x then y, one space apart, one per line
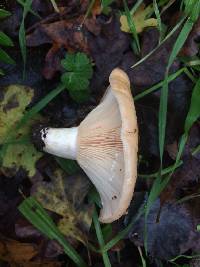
105 144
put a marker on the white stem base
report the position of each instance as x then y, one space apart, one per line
61 142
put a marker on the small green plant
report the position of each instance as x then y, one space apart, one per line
5 41
105 4
78 72
22 34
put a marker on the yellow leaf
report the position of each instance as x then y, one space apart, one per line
13 102
139 19
64 195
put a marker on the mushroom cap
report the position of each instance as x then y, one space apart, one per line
107 146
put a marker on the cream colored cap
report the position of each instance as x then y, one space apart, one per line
107 147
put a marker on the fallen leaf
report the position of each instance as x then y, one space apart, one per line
62 34
192 142
65 196
96 8
139 19
173 234
19 254
13 102
107 50
14 251
185 181
14 99
174 216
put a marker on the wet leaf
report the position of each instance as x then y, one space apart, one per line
139 18
19 154
64 196
61 34
19 254
107 50
173 234
14 251
172 220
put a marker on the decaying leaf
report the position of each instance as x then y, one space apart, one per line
62 34
13 102
11 250
64 195
139 19
174 216
19 254
173 234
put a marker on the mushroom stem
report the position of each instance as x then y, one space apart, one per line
60 142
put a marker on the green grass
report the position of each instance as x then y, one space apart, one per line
100 239
157 13
22 33
131 25
5 41
23 3
187 22
175 28
187 27
26 4
157 86
34 212
192 116
4 13
144 264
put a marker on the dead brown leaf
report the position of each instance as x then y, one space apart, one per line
14 251
62 34
96 9
19 254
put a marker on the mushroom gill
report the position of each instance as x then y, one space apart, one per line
100 152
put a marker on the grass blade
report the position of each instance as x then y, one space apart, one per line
2 72
35 213
100 239
135 7
142 258
192 116
4 57
124 232
5 39
161 43
164 92
159 183
131 25
68 165
22 34
22 2
168 169
4 13
158 85
40 105
157 13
